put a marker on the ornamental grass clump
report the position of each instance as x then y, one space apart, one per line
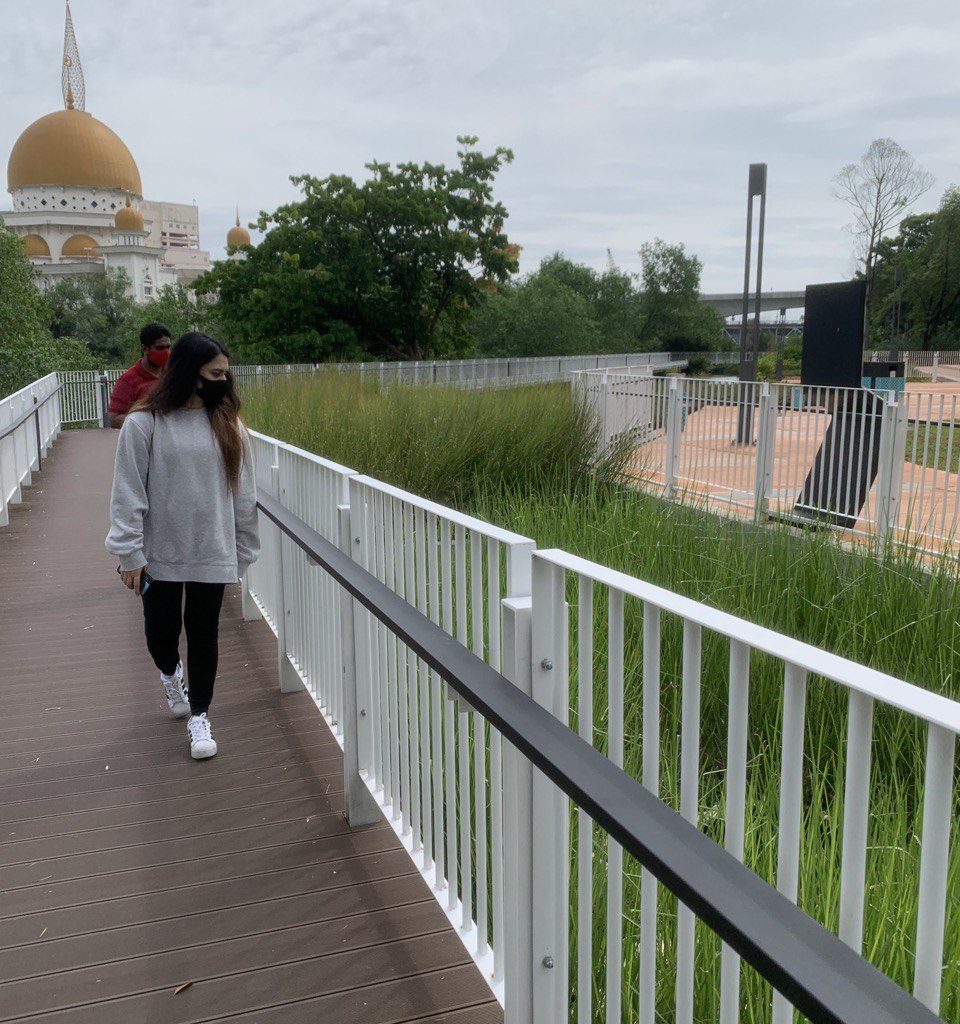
444 443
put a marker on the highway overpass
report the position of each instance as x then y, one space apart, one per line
731 303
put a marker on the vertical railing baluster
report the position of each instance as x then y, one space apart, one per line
791 802
651 781
934 865
689 807
584 821
449 715
615 691
737 725
463 734
479 747
856 816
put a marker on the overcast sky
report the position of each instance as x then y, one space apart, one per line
629 120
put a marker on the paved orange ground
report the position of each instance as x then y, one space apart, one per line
721 475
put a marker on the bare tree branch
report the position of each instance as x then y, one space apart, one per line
880 189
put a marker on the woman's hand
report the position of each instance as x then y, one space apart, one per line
131 580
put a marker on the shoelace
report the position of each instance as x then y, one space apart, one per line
173 687
199 728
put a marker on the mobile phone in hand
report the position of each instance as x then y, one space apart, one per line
145 580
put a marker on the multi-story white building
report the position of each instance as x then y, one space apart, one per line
78 201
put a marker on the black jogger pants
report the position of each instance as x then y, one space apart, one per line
164 614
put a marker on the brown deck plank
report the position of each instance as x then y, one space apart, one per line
238 874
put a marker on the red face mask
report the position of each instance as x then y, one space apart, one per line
158 356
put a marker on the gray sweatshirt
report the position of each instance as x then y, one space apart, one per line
171 508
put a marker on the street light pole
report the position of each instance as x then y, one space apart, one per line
750 346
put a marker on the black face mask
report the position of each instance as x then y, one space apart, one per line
212 392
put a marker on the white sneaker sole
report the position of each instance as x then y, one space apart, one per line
201 751
179 709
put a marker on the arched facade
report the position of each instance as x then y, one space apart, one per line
80 247
36 247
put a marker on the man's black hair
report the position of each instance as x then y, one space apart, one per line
152 333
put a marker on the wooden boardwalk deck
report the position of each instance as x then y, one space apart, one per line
128 870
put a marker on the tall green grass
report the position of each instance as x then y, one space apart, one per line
521 459
444 443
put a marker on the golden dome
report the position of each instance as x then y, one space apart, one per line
128 218
82 246
237 236
34 245
71 147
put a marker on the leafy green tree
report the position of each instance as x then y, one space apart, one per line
23 361
24 315
612 295
927 251
173 308
674 318
96 309
27 351
541 316
390 267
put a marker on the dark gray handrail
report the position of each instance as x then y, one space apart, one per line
820 975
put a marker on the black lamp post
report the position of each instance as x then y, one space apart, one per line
750 341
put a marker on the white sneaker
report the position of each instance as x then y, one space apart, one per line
202 743
176 692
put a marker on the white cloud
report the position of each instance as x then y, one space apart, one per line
629 119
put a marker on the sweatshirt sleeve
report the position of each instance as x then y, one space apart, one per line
128 499
246 522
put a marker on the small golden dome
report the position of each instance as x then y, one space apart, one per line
34 245
237 235
71 147
128 218
81 246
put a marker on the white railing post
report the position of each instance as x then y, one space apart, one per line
365 633
289 678
359 806
674 426
605 436
766 443
550 812
102 392
517 827
893 441
935 366
249 609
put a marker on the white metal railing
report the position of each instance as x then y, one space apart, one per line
22 449
447 809
551 622
86 392
802 669
878 464
495 848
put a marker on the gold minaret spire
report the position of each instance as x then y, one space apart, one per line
71 78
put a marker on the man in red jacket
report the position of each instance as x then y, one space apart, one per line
142 376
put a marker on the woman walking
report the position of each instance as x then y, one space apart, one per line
183 519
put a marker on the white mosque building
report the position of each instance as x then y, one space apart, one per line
78 201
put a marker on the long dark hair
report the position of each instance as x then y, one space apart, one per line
178 384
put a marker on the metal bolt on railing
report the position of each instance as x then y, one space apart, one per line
546 664
548 962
